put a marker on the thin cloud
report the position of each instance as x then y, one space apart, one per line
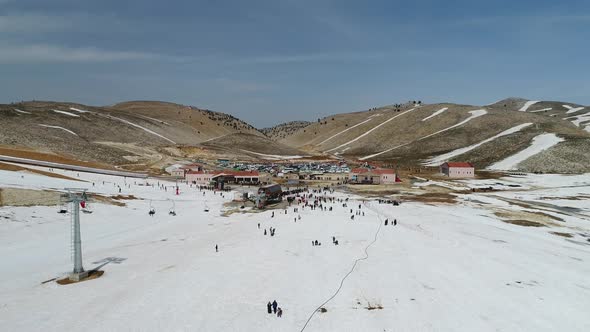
312 57
22 23
52 53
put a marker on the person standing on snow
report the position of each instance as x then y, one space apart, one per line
274 306
269 308
279 312
216 248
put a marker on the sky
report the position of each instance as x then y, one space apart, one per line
273 61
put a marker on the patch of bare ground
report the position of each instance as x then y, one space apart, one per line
431 198
15 168
568 235
374 306
113 200
91 275
527 223
538 213
29 154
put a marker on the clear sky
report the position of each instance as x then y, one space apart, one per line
272 61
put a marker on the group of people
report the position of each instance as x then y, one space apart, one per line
393 223
272 231
273 308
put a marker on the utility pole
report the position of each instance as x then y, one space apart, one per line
75 197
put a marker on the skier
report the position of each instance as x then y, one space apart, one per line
269 308
216 248
258 225
265 231
385 222
394 222
274 306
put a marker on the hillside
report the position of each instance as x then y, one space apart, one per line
284 129
545 136
412 135
139 134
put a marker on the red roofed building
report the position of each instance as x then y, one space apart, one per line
458 169
372 176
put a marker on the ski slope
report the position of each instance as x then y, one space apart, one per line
539 144
440 111
58 127
370 130
442 268
436 161
474 114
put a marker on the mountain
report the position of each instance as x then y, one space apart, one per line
132 135
545 136
416 134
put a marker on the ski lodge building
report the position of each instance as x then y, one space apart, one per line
373 176
458 170
226 176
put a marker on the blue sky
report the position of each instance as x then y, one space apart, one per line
272 61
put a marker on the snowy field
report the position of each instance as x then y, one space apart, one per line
442 268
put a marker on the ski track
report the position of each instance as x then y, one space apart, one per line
58 127
347 129
540 143
572 109
440 111
140 127
370 130
474 114
436 161
349 272
527 105
67 113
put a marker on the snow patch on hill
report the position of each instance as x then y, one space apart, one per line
539 144
436 161
527 105
66 113
22 112
58 127
572 109
474 114
371 130
440 111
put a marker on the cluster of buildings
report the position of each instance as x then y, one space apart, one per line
246 174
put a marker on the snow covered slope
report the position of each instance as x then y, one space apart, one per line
442 268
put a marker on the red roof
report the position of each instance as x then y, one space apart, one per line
459 164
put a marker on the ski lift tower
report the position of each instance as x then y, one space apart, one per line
76 197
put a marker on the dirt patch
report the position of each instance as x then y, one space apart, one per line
114 200
91 275
568 235
374 306
526 223
29 154
444 198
